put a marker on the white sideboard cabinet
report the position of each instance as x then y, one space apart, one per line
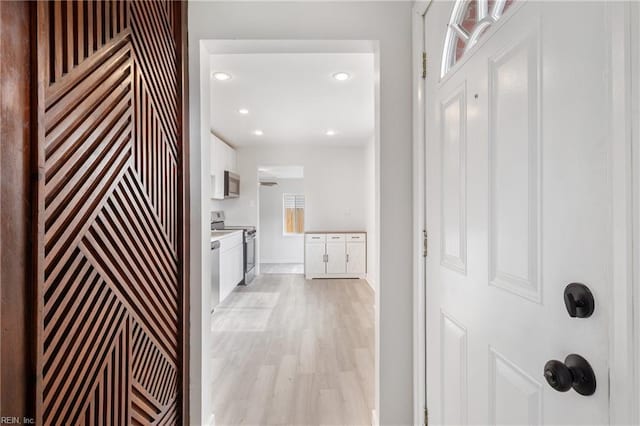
335 255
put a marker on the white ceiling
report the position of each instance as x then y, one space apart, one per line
293 98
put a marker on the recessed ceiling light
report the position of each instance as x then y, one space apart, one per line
258 132
221 76
341 76
243 111
330 132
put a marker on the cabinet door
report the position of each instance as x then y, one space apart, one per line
226 276
336 258
220 172
356 258
238 253
230 159
234 161
217 168
314 259
227 157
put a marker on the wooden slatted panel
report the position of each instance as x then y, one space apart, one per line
79 28
109 324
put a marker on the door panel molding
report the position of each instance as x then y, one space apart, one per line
111 240
512 267
453 191
502 373
453 381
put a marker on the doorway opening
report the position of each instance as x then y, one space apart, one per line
281 219
288 135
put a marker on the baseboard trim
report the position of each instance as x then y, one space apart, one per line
335 276
371 283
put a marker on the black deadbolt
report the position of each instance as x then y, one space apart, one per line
574 373
578 300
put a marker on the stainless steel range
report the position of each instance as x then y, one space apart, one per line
249 240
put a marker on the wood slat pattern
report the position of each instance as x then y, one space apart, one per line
155 158
155 374
77 29
107 404
110 303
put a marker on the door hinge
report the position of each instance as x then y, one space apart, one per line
426 416
424 65
425 243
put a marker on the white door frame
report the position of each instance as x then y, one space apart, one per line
623 79
420 8
624 123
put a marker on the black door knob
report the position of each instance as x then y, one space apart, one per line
558 375
579 300
574 373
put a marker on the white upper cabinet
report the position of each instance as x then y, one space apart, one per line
230 159
223 157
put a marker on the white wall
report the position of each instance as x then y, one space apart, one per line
390 24
371 212
199 244
276 247
334 182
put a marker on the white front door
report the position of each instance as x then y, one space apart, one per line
518 206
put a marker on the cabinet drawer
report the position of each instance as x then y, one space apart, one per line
335 238
357 237
315 238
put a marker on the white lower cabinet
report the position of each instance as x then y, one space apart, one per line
231 263
315 259
336 258
335 255
356 257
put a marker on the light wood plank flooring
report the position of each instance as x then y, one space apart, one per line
295 352
282 268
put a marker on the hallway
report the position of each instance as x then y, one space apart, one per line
291 351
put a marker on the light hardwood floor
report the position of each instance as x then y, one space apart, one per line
295 352
282 268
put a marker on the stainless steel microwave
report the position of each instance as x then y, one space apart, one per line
231 185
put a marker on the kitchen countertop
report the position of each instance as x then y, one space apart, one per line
220 235
335 232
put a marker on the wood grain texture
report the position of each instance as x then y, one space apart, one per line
16 379
110 238
290 351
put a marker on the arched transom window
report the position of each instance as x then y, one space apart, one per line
469 21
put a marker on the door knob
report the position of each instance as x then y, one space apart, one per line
575 372
579 300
